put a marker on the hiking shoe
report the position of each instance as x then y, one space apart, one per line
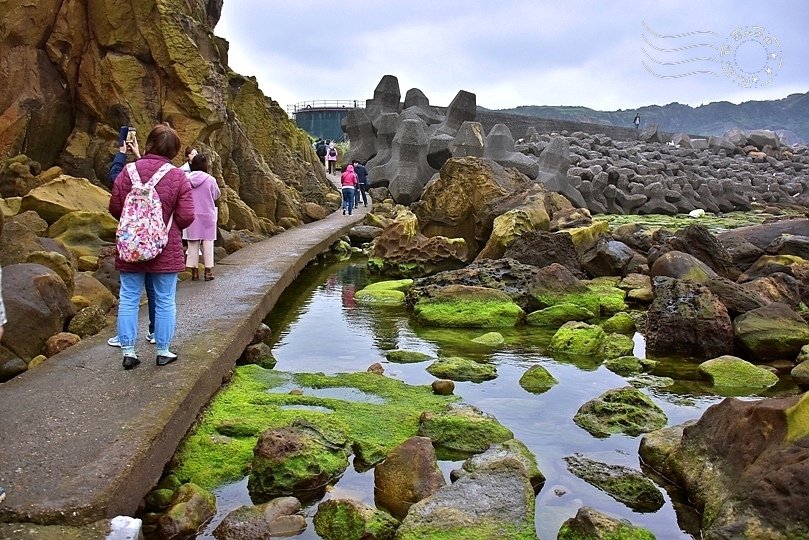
150 338
165 358
130 361
114 341
2 494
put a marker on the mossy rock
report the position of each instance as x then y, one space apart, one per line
732 373
511 449
297 460
401 356
394 285
456 368
629 365
492 339
380 297
459 306
611 300
88 322
537 380
345 519
463 429
620 323
590 524
558 314
616 345
258 399
621 410
158 500
625 485
190 507
577 338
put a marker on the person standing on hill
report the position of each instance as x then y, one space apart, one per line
636 121
362 186
331 157
177 211
205 192
348 181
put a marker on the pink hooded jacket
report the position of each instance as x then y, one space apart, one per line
349 177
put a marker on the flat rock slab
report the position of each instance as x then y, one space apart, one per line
84 440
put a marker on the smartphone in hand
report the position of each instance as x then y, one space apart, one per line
122 135
130 135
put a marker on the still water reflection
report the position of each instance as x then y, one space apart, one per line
318 327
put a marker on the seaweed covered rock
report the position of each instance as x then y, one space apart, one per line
459 512
731 374
297 460
590 524
741 464
578 338
621 410
463 429
625 485
401 356
456 368
629 365
190 507
345 519
771 332
511 449
537 380
470 307
557 315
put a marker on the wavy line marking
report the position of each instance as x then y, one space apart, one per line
687 60
663 36
679 76
679 49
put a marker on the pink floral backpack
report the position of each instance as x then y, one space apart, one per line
141 234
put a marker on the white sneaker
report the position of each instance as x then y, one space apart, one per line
150 338
114 342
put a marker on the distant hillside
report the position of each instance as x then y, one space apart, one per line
790 114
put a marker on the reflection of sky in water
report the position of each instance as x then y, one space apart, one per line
319 328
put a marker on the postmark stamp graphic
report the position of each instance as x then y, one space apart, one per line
750 56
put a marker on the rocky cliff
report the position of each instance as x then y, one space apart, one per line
76 70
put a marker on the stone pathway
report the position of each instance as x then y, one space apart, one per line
81 439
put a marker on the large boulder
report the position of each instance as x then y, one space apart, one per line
507 450
468 307
37 306
85 233
686 318
742 465
64 195
456 368
731 374
409 474
88 291
466 197
462 430
771 332
679 265
296 460
541 248
492 502
532 215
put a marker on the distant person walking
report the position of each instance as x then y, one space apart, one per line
362 183
321 150
636 121
204 192
331 157
177 209
348 181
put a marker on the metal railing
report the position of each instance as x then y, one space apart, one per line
326 104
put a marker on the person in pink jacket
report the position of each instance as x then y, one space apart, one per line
331 157
174 191
348 181
205 192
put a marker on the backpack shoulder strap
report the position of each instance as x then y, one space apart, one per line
161 172
133 173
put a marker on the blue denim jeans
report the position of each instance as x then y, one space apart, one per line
361 190
164 287
348 198
150 296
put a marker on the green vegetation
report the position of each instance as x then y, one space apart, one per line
221 447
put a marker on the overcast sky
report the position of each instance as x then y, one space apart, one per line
529 52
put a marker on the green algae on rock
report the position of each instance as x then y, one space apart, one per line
456 368
621 410
558 314
492 339
511 449
629 365
590 524
625 485
253 402
461 306
190 507
345 519
463 429
578 338
616 345
620 323
380 297
401 356
730 373
537 379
